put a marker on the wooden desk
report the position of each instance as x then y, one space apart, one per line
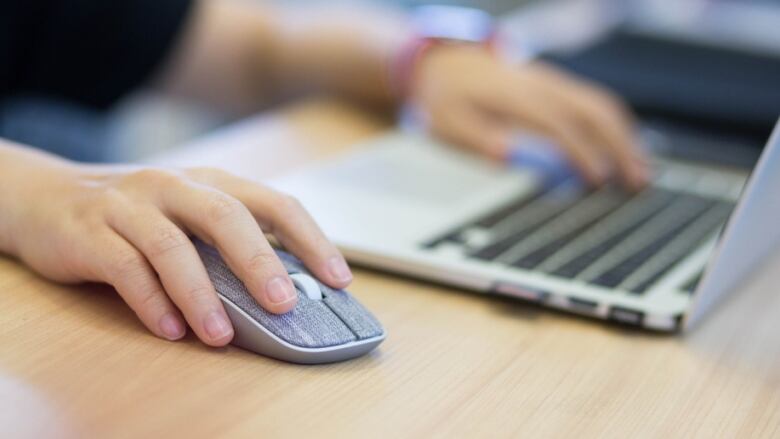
455 364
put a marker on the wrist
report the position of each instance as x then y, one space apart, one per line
24 173
437 27
404 70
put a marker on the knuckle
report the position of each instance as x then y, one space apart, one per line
606 102
567 132
289 204
199 295
112 197
220 207
259 261
153 176
207 174
166 239
127 264
147 299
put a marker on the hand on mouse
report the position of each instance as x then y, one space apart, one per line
129 226
470 97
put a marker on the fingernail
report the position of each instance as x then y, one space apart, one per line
217 326
280 290
171 327
339 269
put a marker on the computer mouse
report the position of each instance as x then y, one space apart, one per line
326 325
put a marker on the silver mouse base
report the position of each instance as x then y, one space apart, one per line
252 336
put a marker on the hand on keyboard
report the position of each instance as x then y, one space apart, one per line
475 100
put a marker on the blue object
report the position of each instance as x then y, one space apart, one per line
543 157
63 128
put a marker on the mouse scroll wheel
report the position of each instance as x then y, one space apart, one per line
307 284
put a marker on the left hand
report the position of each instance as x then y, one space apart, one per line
473 99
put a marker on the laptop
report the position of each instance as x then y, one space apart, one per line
659 259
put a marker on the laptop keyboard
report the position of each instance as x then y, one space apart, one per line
605 237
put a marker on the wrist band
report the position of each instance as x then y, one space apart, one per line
437 26
402 69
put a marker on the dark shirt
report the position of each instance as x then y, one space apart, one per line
88 51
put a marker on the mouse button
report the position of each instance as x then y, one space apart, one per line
310 324
224 281
307 285
352 313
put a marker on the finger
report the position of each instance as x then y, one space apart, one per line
532 110
607 122
223 221
127 270
288 221
180 269
464 126
605 119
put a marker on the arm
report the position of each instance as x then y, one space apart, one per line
239 55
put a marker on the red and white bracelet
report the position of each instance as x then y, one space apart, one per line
437 26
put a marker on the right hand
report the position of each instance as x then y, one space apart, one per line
129 227
475 100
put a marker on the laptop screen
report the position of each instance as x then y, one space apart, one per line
751 234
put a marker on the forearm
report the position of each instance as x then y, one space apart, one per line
240 56
345 51
215 58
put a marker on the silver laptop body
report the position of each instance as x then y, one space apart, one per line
659 259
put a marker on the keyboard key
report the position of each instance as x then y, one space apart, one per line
508 210
453 237
684 208
494 250
604 236
607 233
523 223
505 216
676 251
538 256
575 266
566 222
614 276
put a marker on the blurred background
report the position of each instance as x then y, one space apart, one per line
745 35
